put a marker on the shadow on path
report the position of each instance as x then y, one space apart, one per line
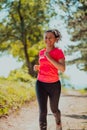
70 95
77 116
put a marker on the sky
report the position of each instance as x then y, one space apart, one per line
77 78
7 64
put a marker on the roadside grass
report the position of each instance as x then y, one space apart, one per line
83 91
13 94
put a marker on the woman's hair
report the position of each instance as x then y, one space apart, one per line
56 33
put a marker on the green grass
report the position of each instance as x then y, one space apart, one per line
14 94
83 91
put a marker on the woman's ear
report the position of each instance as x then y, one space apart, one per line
57 39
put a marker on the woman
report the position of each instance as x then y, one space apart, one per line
51 60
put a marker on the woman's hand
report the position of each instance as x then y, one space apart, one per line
36 67
60 64
47 54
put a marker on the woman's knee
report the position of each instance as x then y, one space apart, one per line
43 116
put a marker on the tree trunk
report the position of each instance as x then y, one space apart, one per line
24 41
27 59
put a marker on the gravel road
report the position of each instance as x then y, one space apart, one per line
73 107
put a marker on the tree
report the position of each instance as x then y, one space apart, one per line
75 15
23 27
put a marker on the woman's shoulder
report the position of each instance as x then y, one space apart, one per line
58 49
60 53
42 50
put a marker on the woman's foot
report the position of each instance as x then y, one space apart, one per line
59 126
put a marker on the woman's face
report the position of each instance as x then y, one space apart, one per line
49 39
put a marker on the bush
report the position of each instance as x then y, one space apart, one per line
13 95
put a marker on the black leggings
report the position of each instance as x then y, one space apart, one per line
43 91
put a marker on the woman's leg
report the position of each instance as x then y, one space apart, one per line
42 97
54 100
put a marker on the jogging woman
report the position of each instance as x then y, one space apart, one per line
51 61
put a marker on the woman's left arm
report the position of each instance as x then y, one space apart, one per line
60 64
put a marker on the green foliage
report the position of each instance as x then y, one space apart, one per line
16 51
34 51
20 75
25 18
13 95
75 16
83 91
23 27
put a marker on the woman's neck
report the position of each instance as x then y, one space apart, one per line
48 49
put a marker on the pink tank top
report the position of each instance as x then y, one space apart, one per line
48 73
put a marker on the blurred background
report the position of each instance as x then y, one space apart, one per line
22 25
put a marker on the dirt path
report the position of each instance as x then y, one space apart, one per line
74 115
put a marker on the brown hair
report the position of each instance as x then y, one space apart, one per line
56 33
